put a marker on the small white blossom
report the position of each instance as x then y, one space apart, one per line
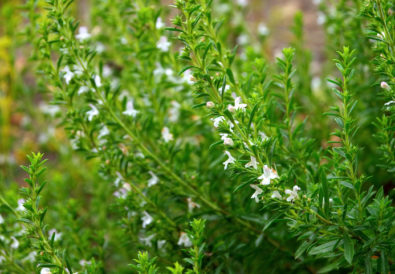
187 77
263 29
384 85
83 34
166 135
130 110
252 163
159 23
242 3
192 205
389 103
163 44
230 160
184 240
82 90
263 136
174 111
237 106
20 205
103 132
242 39
276 195
45 270
15 243
227 141
293 194
100 48
84 262
98 81
268 174
122 193
92 113
257 192
118 180
107 71
147 240
217 120
68 74
161 244
31 257
153 180
146 219
321 19
1 220
57 236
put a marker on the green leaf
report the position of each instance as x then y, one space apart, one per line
324 248
301 249
348 249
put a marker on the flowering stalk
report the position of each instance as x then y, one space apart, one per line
34 216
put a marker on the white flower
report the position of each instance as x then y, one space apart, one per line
192 205
57 234
187 77
153 180
267 175
45 270
1 220
83 34
159 23
84 262
230 160
51 110
161 243
130 110
389 103
384 85
262 29
237 106
257 192
31 257
82 90
217 120
321 19
98 81
252 163
92 113
123 191
227 141
163 44
263 136
20 205
166 135
210 104
184 240
68 74
103 132
146 219
100 48
15 243
107 71
276 194
242 3
147 240
242 39
119 179
174 111
293 194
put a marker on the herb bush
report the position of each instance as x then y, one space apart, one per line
203 154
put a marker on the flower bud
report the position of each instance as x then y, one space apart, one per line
384 85
210 104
